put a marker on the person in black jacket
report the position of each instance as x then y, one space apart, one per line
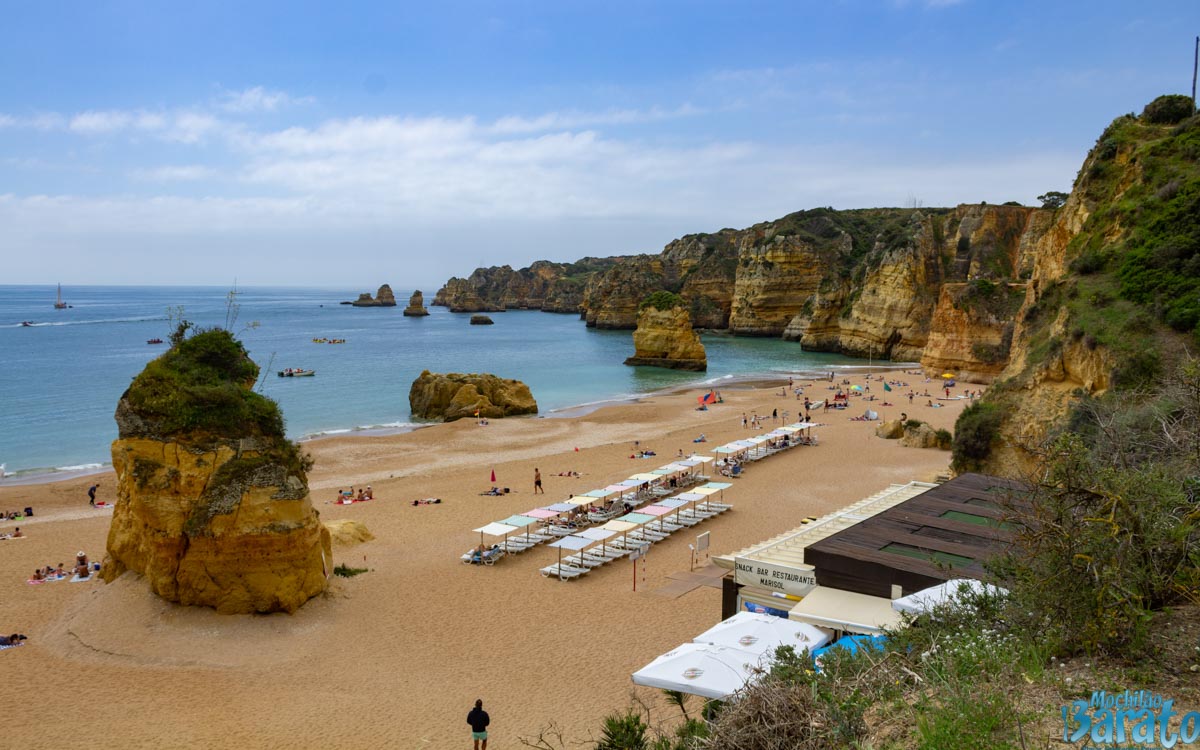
479 720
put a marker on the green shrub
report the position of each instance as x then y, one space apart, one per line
1168 109
974 433
662 300
944 439
346 571
623 732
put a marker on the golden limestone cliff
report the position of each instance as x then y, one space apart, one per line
213 506
665 338
775 277
971 332
416 306
612 298
453 396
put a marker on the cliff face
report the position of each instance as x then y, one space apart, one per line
664 338
454 396
971 332
416 305
212 500
382 298
611 299
544 285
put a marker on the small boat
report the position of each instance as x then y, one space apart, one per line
293 372
26 323
59 304
154 341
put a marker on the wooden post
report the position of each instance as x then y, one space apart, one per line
1195 64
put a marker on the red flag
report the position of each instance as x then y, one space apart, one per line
493 475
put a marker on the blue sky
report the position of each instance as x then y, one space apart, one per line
358 143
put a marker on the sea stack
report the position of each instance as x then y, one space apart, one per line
664 335
481 320
416 306
212 499
382 298
454 396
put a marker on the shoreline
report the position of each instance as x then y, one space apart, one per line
41 475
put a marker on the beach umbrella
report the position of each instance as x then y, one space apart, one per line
685 498
598 493
570 542
658 510
645 476
856 387
948 375
521 522
762 634
560 507
953 590
620 527
598 534
700 669
540 513
496 529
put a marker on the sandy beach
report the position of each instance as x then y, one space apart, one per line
396 657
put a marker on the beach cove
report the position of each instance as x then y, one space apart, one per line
396 656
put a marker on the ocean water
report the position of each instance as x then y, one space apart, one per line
61 377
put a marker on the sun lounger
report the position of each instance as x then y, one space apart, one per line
649 536
584 561
489 557
563 572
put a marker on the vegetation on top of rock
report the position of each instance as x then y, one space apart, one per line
202 385
1168 109
662 300
1053 199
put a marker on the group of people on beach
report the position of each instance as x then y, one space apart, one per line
12 515
82 570
364 493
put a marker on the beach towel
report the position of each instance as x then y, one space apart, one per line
77 579
34 582
11 645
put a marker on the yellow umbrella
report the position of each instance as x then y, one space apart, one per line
947 375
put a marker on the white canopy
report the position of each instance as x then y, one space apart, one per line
762 634
699 669
954 589
497 529
845 610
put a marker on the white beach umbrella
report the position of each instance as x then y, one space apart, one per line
952 590
700 669
762 634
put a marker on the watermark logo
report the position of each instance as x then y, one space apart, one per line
1132 719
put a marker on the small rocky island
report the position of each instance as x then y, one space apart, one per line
481 320
212 499
453 396
382 298
416 306
664 335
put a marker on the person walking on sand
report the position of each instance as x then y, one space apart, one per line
92 494
479 720
537 482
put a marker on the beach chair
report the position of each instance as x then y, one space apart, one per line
646 535
563 572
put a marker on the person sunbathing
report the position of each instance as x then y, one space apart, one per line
38 575
60 572
82 571
430 501
492 491
369 494
12 640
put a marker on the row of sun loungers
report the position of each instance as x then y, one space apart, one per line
582 563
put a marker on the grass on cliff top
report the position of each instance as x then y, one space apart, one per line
203 385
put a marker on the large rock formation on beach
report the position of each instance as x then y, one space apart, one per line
416 305
664 336
212 499
452 396
382 298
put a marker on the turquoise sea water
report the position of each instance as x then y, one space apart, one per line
60 378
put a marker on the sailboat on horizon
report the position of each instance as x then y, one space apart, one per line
59 304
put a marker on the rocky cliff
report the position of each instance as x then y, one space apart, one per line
664 335
416 305
454 396
212 500
552 287
382 298
1113 295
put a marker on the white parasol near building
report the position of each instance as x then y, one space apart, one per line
762 634
953 590
700 669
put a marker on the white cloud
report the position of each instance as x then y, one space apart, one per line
259 99
570 120
181 173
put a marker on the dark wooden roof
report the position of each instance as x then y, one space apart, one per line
855 559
